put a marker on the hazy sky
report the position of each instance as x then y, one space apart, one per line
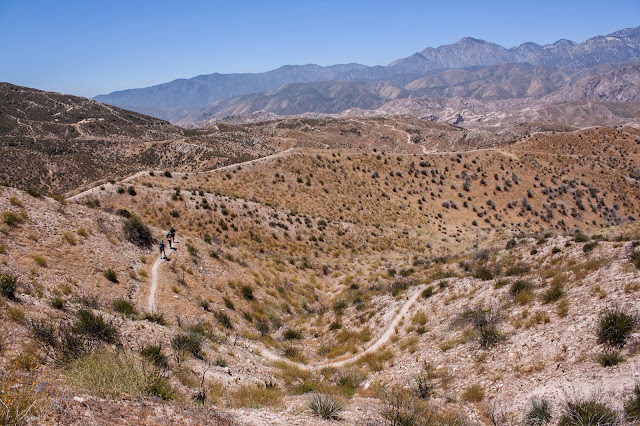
96 46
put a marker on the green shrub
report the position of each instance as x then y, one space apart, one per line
519 286
223 319
589 246
94 326
137 232
553 294
154 354
580 238
538 412
325 406
57 303
247 292
610 358
131 191
186 344
33 192
12 219
588 411
517 270
635 258
423 387
228 303
220 362
256 396
156 317
110 275
124 307
427 292
615 327
485 322
126 213
291 334
632 405
483 273
8 285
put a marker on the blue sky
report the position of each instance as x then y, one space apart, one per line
91 47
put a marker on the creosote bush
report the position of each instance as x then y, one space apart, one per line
94 326
124 307
615 327
110 275
610 358
137 232
186 344
156 317
484 321
8 286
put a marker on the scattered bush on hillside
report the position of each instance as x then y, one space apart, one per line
484 321
483 273
155 355
124 307
553 294
223 319
632 405
587 411
247 292
615 327
187 344
325 406
8 286
635 258
22 397
109 373
110 275
538 412
12 218
94 326
610 358
138 233
156 317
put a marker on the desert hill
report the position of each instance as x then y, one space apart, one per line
357 271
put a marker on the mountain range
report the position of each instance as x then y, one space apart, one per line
468 68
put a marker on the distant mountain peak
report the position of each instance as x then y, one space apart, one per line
470 40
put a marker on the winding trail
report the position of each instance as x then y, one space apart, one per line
390 331
271 356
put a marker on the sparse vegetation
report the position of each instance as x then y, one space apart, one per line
325 406
137 232
615 327
110 275
587 411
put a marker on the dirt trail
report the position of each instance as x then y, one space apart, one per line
154 285
266 353
390 331
146 172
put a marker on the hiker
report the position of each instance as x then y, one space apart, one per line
169 236
161 246
173 234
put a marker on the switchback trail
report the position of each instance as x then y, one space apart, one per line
266 353
391 328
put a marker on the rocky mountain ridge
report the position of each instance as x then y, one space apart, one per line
204 90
